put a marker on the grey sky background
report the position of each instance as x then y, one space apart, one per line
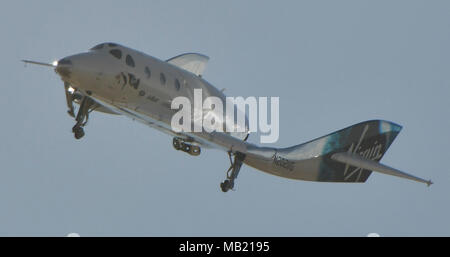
332 63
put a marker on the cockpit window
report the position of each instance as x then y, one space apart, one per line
129 60
116 53
112 45
98 47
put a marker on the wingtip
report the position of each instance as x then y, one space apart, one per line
429 183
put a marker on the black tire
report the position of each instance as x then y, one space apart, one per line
195 150
79 133
225 186
186 147
176 144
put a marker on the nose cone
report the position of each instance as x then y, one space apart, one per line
81 70
64 68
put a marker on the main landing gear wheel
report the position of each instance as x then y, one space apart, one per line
180 145
226 185
176 143
233 171
195 150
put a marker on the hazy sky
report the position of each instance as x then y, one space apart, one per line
332 63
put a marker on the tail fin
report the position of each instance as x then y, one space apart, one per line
347 155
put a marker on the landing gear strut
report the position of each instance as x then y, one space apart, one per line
69 100
86 106
180 145
233 171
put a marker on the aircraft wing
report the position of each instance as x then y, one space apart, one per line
156 124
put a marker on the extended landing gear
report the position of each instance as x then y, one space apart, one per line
86 106
233 171
180 145
69 99
78 132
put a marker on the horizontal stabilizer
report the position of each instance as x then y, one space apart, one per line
363 163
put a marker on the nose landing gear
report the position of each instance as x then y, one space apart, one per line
78 132
233 171
70 98
87 105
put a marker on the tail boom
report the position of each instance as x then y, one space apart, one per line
348 155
